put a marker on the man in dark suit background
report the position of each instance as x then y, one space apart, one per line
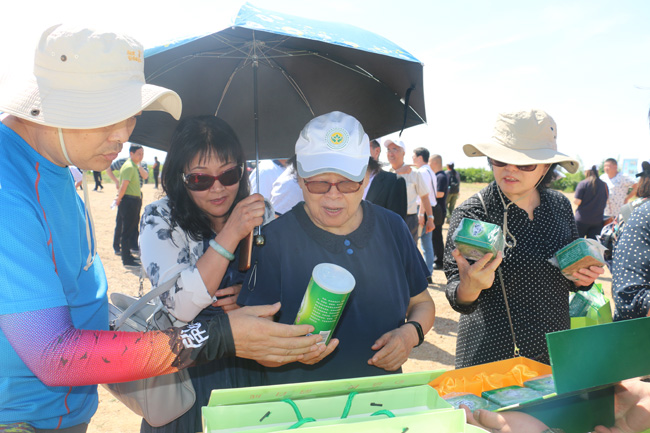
385 189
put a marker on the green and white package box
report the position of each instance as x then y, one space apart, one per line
328 290
475 238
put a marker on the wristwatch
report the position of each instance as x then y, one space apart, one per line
418 328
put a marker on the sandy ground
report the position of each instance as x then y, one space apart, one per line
437 352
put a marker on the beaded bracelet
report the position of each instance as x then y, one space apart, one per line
221 250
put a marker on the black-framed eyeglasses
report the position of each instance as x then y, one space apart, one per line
527 167
322 187
202 181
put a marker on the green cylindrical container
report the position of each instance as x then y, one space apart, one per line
328 290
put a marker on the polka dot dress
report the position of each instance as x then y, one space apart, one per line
631 274
537 292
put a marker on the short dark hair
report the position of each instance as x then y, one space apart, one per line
612 161
134 148
423 152
374 144
207 137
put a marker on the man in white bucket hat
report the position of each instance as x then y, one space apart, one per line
509 302
78 108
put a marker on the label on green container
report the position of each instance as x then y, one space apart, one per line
326 295
475 238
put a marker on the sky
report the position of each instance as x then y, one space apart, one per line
585 62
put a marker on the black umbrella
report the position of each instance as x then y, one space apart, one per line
269 74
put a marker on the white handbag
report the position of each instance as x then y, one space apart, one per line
160 399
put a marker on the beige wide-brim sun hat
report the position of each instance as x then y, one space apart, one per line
84 79
521 138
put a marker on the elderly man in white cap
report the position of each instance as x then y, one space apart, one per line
511 313
389 311
416 187
77 108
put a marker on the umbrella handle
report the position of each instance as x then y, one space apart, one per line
245 252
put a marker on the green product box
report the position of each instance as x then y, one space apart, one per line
475 238
511 395
544 384
473 402
579 254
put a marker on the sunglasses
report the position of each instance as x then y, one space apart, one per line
527 167
322 187
202 182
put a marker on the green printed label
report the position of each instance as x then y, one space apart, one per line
321 309
572 253
475 238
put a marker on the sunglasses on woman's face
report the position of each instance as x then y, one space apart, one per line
527 167
202 182
322 187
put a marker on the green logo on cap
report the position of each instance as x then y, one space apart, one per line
337 138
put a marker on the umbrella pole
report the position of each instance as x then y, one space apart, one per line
246 244
259 238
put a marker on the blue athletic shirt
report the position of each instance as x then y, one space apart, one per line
386 265
43 250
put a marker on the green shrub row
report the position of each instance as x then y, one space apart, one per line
475 175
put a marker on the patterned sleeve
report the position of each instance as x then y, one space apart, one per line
166 252
631 270
61 355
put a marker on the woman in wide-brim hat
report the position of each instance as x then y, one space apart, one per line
501 319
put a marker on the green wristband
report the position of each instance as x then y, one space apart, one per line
221 250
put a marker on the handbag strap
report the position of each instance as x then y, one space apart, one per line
140 303
503 290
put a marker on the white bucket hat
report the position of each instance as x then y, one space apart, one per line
84 79
521 138
333 143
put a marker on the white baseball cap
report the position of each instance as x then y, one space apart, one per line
398 143
333 143
84 79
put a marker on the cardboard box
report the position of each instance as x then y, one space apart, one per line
586 363
486 377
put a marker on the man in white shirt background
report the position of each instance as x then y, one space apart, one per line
415 187
420 160
621 187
